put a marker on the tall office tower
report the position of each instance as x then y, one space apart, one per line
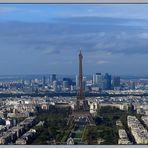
30 82
55 87
49 79
99 80
71 87
107 81
53 78
94 79
69 80
132 85
81 109
66 85
44 80
116 81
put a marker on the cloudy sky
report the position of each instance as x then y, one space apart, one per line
46 38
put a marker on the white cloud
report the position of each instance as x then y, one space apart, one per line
144 35
108 10
102 62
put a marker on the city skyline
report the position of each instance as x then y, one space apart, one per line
38 38
53 110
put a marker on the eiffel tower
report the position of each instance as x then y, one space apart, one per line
81 109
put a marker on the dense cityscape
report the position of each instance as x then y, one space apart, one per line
30 104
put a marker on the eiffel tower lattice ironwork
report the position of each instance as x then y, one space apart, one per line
81 109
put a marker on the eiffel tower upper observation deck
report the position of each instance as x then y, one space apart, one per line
81 109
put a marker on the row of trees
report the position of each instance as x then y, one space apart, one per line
106 124
55 125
